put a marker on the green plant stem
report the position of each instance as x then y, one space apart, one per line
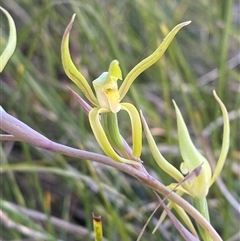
202 206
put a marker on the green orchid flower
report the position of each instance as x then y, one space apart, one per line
12 41
198 187
107 99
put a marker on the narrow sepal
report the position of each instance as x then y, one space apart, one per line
158 157
71 70
225 140
149 61
11 43
136 126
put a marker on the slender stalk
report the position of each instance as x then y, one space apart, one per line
202 206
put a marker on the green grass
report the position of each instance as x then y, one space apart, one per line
34 89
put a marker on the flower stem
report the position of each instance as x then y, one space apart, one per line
201 205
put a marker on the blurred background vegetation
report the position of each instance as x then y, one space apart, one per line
204 56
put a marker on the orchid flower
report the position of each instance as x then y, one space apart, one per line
107 99
12 41
198 187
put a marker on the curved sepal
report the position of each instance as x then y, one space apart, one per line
225 142
11 43
136 126
161 161
102 138
149 61
71 70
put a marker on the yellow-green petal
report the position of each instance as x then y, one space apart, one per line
71 70
158 157
192 158
225 142
12 41
136 126
102 138
149 61
114 70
